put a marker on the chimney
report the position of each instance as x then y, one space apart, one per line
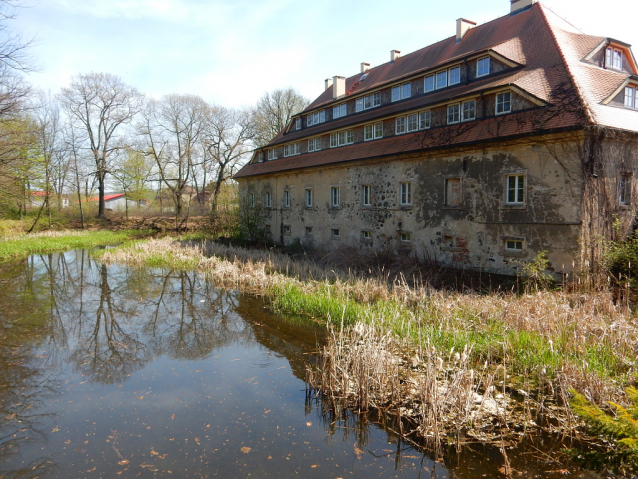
338 87
394 55
519 5
328 83
462 26
365 67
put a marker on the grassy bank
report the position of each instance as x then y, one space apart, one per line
475 350
18 246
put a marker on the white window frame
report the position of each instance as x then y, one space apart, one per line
375 101
378 130
366 235
631 97
426 86
292 149
405 193
339 111
286 198
368 132
412 123
503 105
314 144
425 120
624 189
316 117
512 245
401 92
483 67
468 110
457 76
366 195
614 58
440 80
309 200
334 141
335 197
268 199
515 188
298 124
359 104
272 154
399 126
453 113
405 237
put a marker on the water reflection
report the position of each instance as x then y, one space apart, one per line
120 371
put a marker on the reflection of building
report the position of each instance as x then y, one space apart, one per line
504 140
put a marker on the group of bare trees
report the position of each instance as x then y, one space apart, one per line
100 134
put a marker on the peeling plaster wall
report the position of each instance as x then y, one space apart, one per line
470 235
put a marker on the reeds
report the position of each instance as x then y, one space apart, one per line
541 344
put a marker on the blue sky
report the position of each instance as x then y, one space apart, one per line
232 51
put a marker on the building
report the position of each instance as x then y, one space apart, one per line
118 202
481 151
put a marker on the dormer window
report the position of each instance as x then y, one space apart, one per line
631 97
292 149
298 124
613 58
483 67
454 76
272 154
260 157
316 118
441 79
503 103
401 92
339 111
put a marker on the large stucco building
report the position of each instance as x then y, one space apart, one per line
479 151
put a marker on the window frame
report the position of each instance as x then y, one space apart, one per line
457 76
610 58
443 75
267 199
366 235
378 130
633 105
405 193
298 124
398 92
405 237
335 197
624 189
446 195
473 110
427 118
400 130
341 110
518 189
500 102
272 154
368 132
287 230
251 200
426 86
309 197
513 249
366 195
414 118
286 199
455 110
480 67
335 233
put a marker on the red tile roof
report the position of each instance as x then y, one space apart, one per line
550 53
106 197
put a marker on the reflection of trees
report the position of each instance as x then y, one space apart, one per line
109 353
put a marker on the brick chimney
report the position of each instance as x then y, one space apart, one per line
328 83
518 5
462 27
365 67
394 55
338 87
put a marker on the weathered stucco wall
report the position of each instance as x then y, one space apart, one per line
482 230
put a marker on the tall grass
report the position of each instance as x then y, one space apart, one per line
546 341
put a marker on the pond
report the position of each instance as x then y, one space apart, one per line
111 371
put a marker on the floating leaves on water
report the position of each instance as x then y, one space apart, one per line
246 450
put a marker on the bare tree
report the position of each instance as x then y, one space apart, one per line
171 129
274 111
227 139
99 104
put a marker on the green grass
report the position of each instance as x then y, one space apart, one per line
25 245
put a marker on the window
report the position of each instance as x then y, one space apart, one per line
368 101
286 199
503 103
631 97
469 110
373 131
359 104
333 140
428 83
298 124
335 232
378 130
453 192
308 230
405 193
406 237
341 138
483 67
441 79
425 120
287 229
454 76
308 197
515 189
453 113
260 156
251 200
513 246
292 149
316 118
366 191
413 122
272 154
339 111
314 144
613 58
366 235
267 199
334 196
400 126
401 92
624 189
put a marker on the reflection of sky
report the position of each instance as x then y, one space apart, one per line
231 52
184 381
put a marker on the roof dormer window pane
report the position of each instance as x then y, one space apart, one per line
441 79
396 93
483 67
359 104
630 97
613 58
298 124
428 83
339 111
455 76
406 90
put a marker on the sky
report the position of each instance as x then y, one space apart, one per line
230 52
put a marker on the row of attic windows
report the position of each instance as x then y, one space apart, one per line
435 81
454 113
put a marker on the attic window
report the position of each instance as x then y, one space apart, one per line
363 77
631 97
339 111
298 124
316 118
483 67
613 58
272 154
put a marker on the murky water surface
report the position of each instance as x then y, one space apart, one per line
109 371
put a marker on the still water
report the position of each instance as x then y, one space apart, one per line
111 371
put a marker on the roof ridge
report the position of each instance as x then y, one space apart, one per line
589 114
